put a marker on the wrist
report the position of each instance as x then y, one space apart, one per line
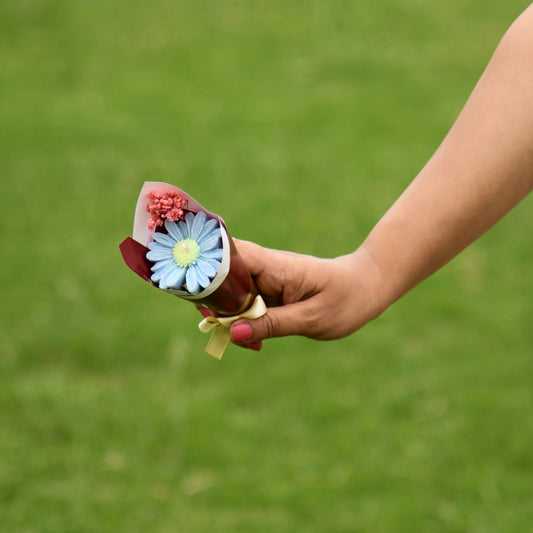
367 288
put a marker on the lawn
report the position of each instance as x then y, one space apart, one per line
299 123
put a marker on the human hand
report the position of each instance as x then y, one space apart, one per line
317 298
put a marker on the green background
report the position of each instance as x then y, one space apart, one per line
299 123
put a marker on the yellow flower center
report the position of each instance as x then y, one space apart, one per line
186 252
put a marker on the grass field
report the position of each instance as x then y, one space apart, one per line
299 123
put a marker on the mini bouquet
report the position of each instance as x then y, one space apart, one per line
181 248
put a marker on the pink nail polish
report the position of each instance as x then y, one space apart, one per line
241 332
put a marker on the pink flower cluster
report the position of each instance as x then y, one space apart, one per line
166 206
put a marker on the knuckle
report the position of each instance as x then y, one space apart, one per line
272 325
314 322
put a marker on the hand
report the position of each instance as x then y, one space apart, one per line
317 298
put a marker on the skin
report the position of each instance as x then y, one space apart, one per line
482 169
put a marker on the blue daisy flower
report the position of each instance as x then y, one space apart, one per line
189 256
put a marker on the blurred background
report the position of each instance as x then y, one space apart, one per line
299 123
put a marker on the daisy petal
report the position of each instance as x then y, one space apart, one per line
158 274
203 280
214 263
211 233
207 268
164 239
189 221
157 246
215 253
197 225
175 279
159 255
209 226
191 281
155 277
162 264
163 279
172 229
209 243
182 230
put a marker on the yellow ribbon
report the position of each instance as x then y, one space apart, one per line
221 324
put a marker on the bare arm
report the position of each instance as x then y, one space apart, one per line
482 169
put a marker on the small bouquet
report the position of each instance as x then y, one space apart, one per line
181 248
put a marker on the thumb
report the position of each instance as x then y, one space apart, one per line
288 319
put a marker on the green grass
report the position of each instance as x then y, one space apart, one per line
299 123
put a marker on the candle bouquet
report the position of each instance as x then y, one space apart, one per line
181 248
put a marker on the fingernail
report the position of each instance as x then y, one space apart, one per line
254 346
241 332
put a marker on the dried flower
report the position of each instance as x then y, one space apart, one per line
167 206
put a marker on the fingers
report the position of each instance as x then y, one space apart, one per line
287 282
255 256
256 346
290 319
241 334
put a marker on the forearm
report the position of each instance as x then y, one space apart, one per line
483 168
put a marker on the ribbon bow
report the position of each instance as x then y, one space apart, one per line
221 324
